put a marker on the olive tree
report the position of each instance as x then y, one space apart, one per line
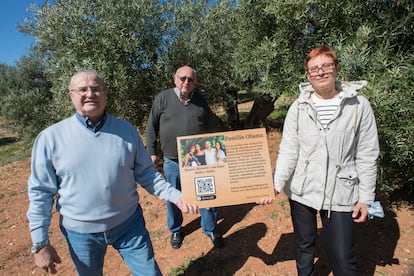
25 97
119 39
374 41
201 34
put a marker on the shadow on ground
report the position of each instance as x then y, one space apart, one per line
7 140
227 217
375 243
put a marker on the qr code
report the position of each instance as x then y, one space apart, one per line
205 185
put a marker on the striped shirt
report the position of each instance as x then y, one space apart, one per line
325 108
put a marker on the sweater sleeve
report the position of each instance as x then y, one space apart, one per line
42 187
153 126
288 150
150 179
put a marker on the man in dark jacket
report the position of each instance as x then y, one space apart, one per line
176 112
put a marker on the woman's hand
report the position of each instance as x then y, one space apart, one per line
266 200
360 213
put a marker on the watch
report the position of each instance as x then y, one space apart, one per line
39 245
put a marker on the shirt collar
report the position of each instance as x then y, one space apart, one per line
180 96
88 123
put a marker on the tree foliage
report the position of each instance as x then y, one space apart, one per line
204 35
25 97
393 102
119 39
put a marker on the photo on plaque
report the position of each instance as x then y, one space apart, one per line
225 168
203 151
210 150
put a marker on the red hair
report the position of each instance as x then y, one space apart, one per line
322 50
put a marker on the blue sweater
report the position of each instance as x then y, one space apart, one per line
94 176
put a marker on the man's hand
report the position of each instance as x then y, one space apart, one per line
154 159
187 208
360 213
47 258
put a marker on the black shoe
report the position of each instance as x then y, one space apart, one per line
176 240
216 239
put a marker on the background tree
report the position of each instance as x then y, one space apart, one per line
202 34
374 41
25 97
119 39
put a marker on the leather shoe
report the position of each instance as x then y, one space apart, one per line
176 240
216 239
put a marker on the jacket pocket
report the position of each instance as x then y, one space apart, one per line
299 178
346 188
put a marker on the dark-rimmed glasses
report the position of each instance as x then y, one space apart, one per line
326 68
183 79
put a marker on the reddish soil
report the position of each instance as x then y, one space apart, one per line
259 239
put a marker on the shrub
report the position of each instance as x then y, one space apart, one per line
392 99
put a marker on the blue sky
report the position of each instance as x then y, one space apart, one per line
14 44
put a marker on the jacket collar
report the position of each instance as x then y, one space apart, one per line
349 89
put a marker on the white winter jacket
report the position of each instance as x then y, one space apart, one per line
331 168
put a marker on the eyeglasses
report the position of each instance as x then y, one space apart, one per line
326 68
83 91
183 79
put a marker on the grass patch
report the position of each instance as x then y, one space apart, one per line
201 264
285 206
13 152
156 235
11 149
274 216
180 270
3 221
283 203
277 114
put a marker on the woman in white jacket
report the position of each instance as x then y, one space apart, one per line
327 162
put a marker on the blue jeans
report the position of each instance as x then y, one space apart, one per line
337 234
131 239
174 215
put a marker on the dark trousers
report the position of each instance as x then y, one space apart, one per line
337 234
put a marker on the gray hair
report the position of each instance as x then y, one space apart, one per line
93 72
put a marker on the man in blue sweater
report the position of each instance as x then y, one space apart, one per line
90 163
176 112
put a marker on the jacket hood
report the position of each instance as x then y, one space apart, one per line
348 88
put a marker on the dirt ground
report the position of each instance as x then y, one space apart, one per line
259 239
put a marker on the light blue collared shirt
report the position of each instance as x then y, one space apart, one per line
88 123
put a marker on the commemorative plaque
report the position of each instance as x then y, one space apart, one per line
225 168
